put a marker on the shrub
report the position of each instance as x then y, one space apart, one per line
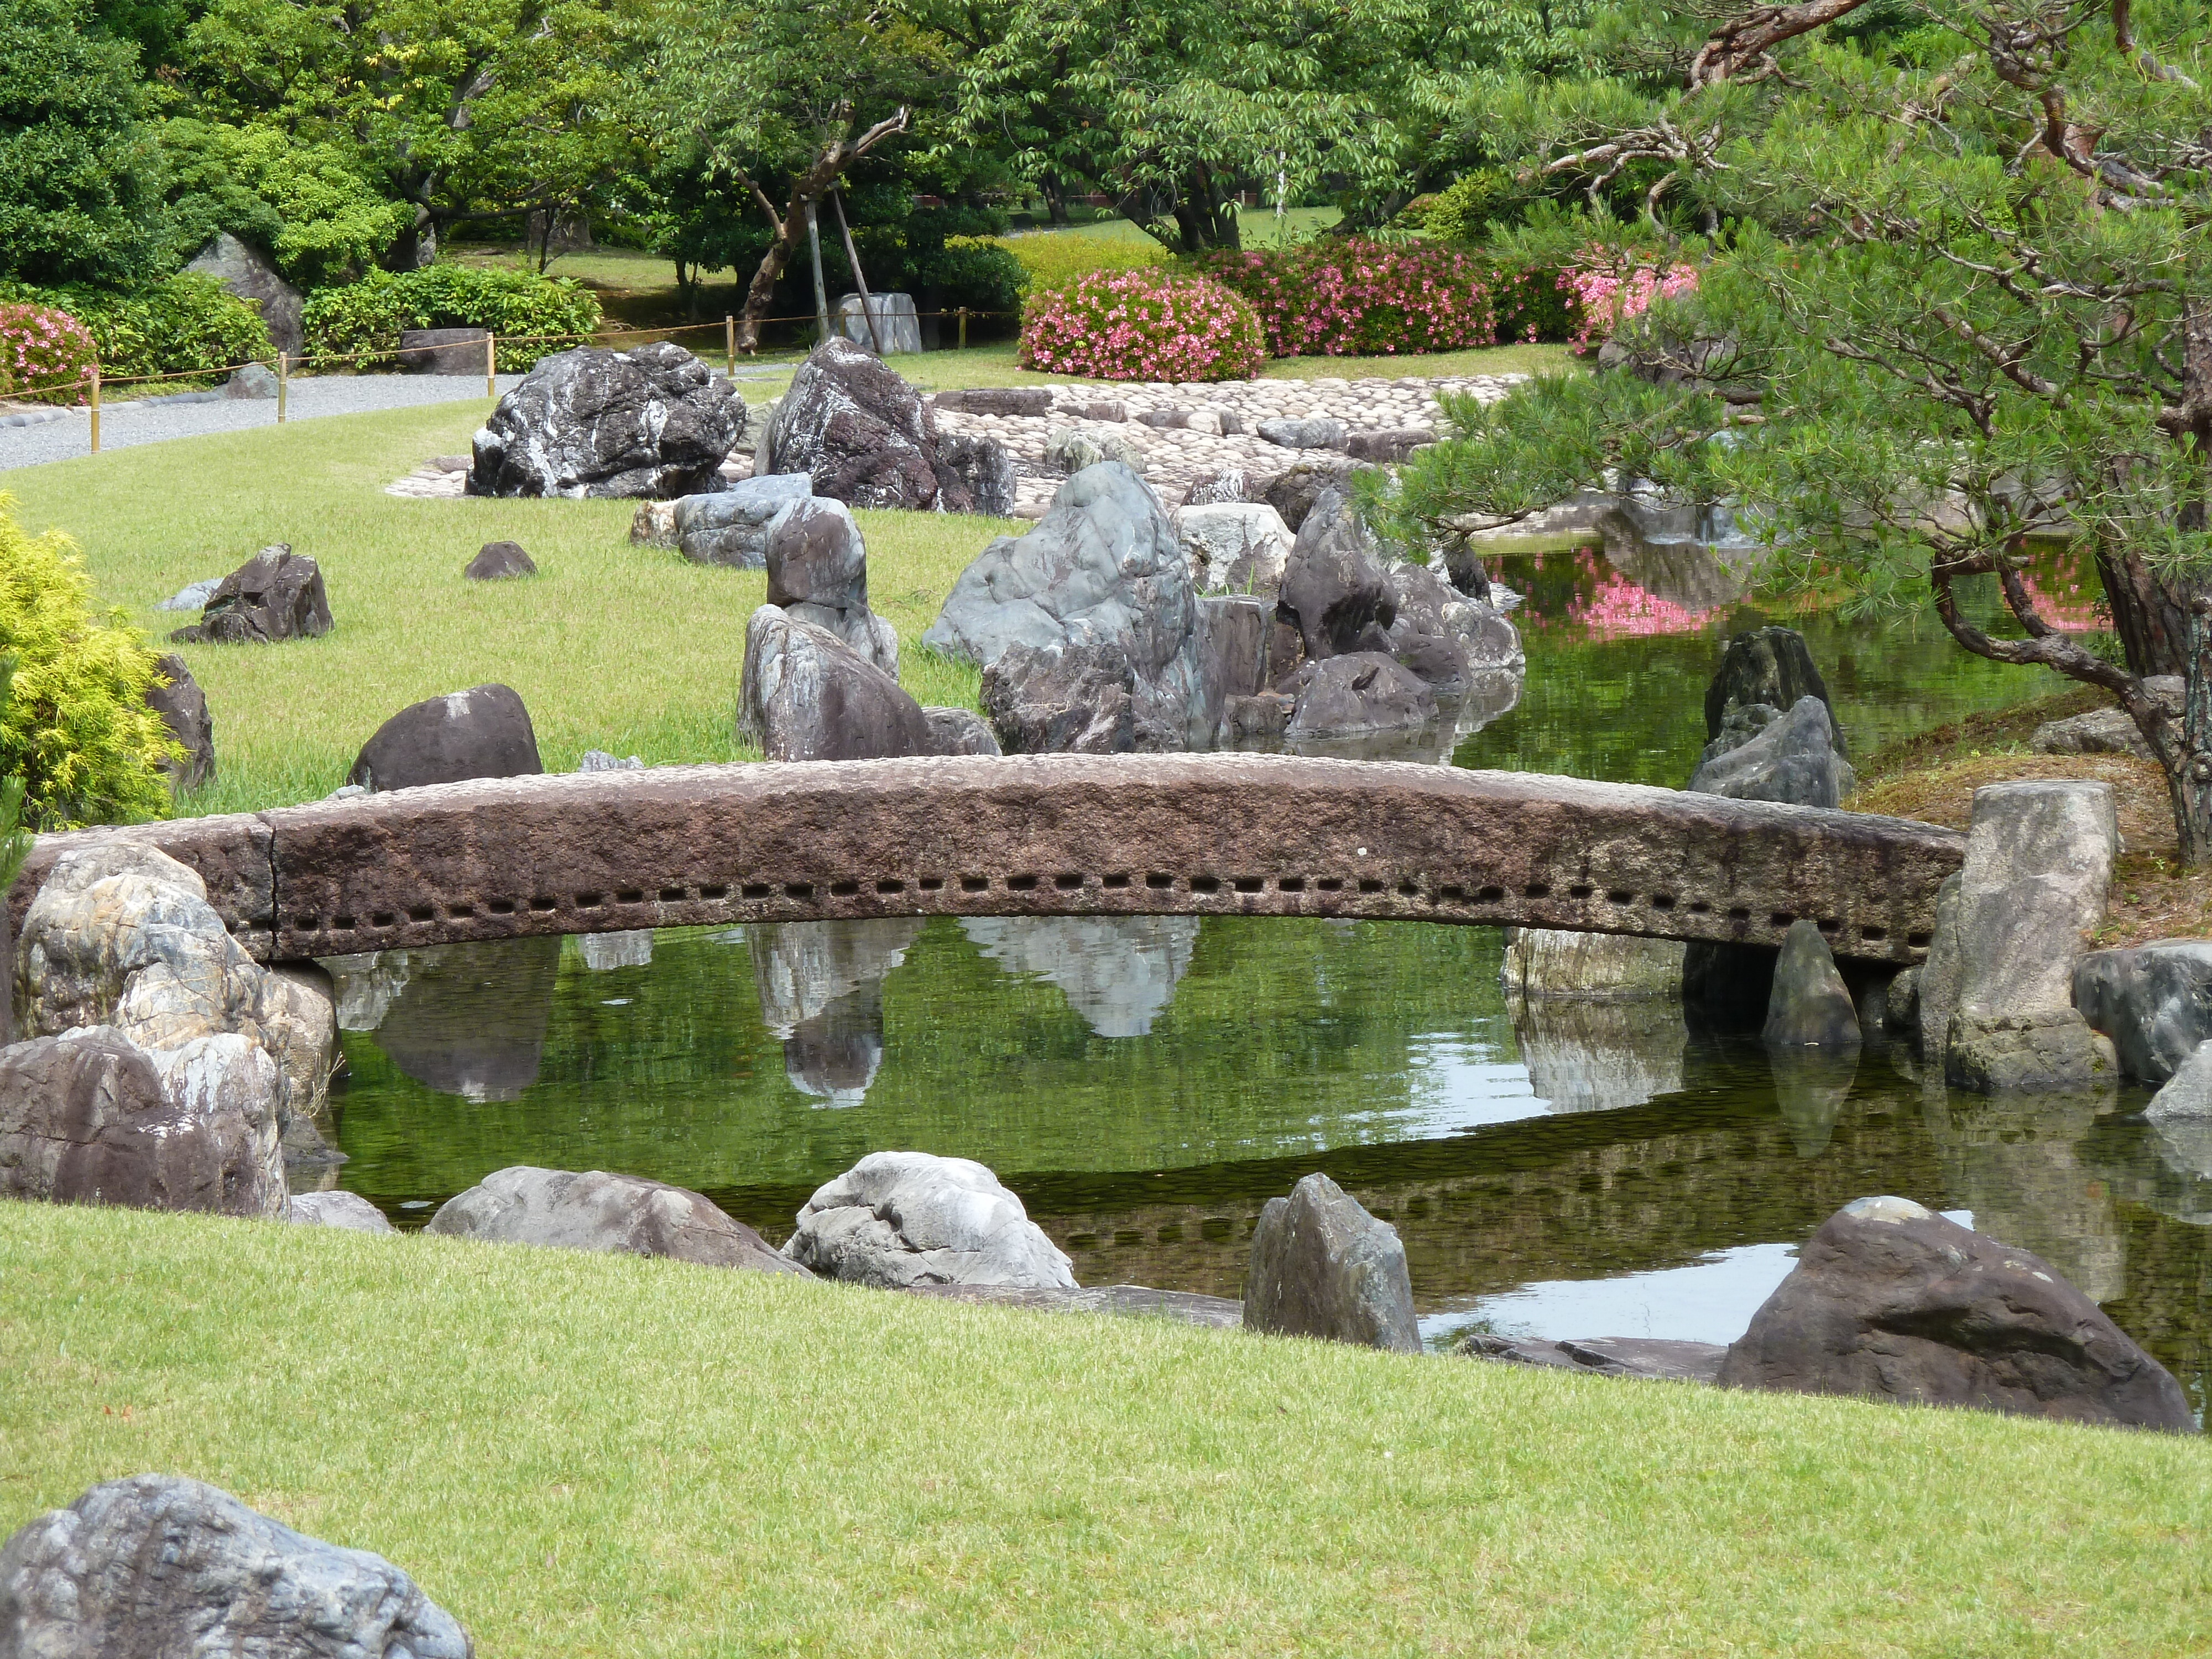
188 322
1142 326
1533 300
1055 258
367 316
74 727
44 353
977 271
1336 297
1611 291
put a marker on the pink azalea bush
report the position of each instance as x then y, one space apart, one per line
1336 297
44 353
1147 325
1609 293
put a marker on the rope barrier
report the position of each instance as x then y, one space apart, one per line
94 381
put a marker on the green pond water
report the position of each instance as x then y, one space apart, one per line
1146 1084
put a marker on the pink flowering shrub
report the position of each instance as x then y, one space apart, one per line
1336 297
1148 325
1610 293
44 353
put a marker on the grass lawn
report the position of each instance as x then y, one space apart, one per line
581 1455
631 649
993 365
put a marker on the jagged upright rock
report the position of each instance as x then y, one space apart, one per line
651 421
158 1567
1761 754
176 696
817 572
1810 1005
1892 1302
863 434
277 595
805 694
1322 1267
253 277
1098 592
2038 868
1771 666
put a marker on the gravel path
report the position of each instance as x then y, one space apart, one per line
122 425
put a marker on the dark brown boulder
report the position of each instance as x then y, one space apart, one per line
1294 491
1365 691
481 733
1070 697
622 1214
175 696
1388 446
1334 585
862 434
498 561
84 1119
277 595
1770 665
982 467
1892 1302
442 350
804 694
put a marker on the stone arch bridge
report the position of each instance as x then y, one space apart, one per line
1192 835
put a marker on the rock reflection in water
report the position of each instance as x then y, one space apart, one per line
1118 973
463 1019
821 991
1810 1088
605 953
1590 1056
2017 1165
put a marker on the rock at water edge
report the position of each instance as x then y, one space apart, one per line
347 1212
2154 1001
1890 1301
621 1214
895 1220
1322 1267
1809 1005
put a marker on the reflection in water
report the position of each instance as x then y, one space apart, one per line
605 953
821 991
1589 1056
2016 1163
463 1019
1118 972
1810 1087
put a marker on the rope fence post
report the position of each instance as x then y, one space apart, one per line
96 405
283 383
730 342
491 365
964 328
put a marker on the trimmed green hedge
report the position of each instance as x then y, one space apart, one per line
367 316
190 321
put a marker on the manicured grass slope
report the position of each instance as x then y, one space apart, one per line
629 649
582 1455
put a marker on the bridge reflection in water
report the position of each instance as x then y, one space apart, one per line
1519 1148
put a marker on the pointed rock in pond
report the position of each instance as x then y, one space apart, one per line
1809 1005
1322 1267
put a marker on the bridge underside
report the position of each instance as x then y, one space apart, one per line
1191 835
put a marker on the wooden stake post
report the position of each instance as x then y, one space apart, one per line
730 342
491 365
283 383
96 405
964 328
821 293
852 258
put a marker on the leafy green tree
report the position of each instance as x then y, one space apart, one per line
305 203
80 181
1963 306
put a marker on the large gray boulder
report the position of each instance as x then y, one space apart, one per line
1446 638
1810 1005
1363 692
176 696
619 1214
250 275
731 526
1890 1301
89 1117
888 321
121 935
481 733
806 695
346 1213
277 595
160 1567
863 434
650 422
1322 1267
2154 1001
2109 730
897 1219
1233 547
1762 755
2038 868
1099 589
818 572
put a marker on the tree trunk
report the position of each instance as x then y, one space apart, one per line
1055 201
2150 611
790 224
2190 783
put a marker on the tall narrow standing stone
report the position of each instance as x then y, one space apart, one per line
1810 1005
1322 1267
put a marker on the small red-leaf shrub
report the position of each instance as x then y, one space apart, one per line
44 353
1336 297
1611 292
1142 326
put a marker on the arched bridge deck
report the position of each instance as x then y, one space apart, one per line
1203 834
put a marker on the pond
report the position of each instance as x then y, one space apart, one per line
1146 1084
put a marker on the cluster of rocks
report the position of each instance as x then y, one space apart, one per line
1186 439
1096 632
